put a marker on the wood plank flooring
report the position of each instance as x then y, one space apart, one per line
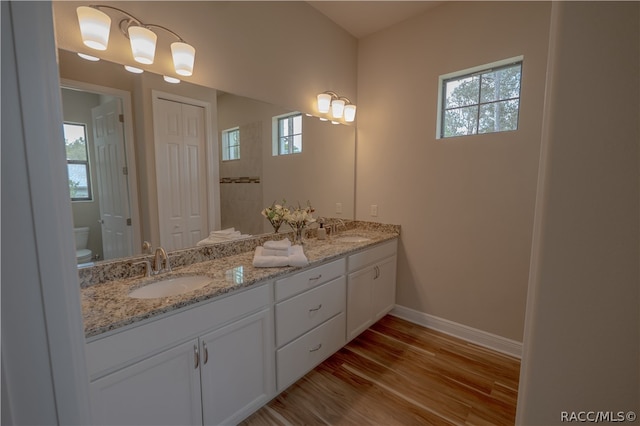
399 373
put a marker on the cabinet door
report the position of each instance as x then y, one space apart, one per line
359 301
161 390
237 370
384 287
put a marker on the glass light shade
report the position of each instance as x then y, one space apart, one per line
88 57
324 102
143 44
323 119
337 108
94 27
183 57
349 113
172 80
133 69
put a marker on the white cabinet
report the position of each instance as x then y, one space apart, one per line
220 375
163 389
237 369
371 286
310 319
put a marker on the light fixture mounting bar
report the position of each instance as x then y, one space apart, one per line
132 20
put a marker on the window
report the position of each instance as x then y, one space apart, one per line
231 144
75 141
481 100
288 138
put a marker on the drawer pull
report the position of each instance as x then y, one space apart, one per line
316 309
317 348
315 278
196 356
206 352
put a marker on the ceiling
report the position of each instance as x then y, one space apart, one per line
361 18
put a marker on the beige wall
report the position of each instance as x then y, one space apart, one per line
465 204
582 348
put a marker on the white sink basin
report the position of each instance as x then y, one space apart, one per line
170 287
352 239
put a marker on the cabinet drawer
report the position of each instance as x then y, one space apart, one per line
298 357
132 344
305 280
374 254
303 312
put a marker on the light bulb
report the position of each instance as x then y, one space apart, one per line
143 44
183 57
94 27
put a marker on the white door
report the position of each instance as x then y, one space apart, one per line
111 171
180 173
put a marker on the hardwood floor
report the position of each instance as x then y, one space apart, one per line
399 373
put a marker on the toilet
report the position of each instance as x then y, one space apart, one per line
83 254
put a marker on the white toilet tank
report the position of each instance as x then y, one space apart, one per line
83 255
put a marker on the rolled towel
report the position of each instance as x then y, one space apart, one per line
277 245
296 258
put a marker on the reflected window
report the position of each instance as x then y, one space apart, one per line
231 144
75 141
289 134
484 100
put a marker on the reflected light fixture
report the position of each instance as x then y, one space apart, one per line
339 106
95 25
88 57
171 80
134 70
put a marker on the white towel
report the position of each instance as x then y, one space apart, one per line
296 258
276 252
277 245
222 236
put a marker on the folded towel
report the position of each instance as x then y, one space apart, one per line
277 245
215 237
276 252
296 258
224 231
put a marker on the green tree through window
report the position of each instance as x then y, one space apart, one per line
483 102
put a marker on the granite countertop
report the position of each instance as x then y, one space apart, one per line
107 306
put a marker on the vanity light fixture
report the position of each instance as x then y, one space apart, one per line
338 105
95 25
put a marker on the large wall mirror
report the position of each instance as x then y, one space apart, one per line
127 191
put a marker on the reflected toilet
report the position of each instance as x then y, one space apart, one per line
83 254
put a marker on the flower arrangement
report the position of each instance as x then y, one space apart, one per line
298 218
276 214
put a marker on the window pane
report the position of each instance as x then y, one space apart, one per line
501 84
499 116
297 143
75 141
462 92
461 121
78 181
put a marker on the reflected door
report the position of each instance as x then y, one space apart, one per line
111 170
180 173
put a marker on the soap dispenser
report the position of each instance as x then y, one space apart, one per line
322 232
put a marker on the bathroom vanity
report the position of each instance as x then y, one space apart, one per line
217 354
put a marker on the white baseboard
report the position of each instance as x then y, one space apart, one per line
473 335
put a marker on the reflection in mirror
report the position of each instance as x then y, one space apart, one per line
249 173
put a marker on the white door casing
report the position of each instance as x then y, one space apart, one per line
181 173
111 172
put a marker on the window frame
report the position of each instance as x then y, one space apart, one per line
470 72
86 163
277 136
225 143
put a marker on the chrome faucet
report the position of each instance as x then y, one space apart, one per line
341 223
161 262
